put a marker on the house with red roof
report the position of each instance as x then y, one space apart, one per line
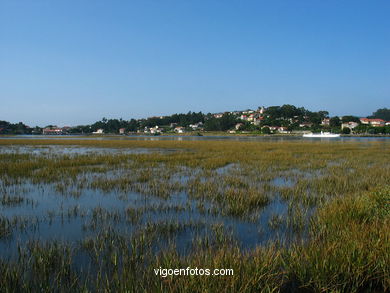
52 131
377 122
373 122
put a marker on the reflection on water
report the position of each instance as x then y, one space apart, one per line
39 211
272 138
46 213
76 150
50 215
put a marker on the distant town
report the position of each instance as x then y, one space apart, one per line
286 119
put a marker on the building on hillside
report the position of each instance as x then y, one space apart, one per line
377 122
351 125
306 124
261 110
122 130
373 122
251 117
196 126
257 120
325 122
280 129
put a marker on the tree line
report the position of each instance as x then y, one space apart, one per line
288 116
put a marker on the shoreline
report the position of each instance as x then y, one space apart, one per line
203 134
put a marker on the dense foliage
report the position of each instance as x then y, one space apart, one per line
288 116
383 113
17 128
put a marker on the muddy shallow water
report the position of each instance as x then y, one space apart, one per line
77 150
43 212
271 138
45 215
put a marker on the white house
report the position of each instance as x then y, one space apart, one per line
325 122
196 126
306 124
283 129
373 122
377 122
261 110
52 130
351 125
238 125
179 129
99 131
155 130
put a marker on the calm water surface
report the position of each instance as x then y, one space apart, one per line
46 214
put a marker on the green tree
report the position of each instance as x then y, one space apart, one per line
346 130
335 122
266 130
227 121
132 125
383 113
212 124
350 118
362 128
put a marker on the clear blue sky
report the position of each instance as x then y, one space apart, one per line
73 62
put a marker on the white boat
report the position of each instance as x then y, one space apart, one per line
321 135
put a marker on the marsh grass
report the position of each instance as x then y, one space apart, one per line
336 194
9 200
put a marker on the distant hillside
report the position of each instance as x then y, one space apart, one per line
383 113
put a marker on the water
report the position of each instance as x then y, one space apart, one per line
282 182
75 214
51 215
271 138
76 150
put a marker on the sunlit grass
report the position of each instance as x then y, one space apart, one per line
336 193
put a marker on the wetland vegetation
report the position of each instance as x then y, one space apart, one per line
88 215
